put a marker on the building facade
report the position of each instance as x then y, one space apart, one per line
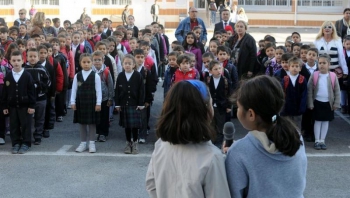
308 13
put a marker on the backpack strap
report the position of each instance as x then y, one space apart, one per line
315 77
333 77
286 82
301 79
226 86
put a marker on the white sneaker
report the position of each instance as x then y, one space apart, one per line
160 79
142 141
127 149
2 141
92 148
81 147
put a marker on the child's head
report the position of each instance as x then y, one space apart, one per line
184 62
294 65
56 45
102 46
179 49
193 61
47 22
129 63
324 60
218 35
131 20
207 58
197 31
94 29
288 43
129 33
32 56
88 34
43 53
98 58
23 29
172 57
175 43
66 24
76 38
296 49
62 41
42 38
280 50
224 36
263 115
118 35
85 61
296 37
303 52
223 53
229 31
270 50
284 60
139 55
3 33
180 121
261 45
49 49
215 68
346 43
13 32
56 22
105 22
30 43
144 45
69 40
213 46
112 47
87 21
311 56
11 48
21 45
190 39
133 43
269 39
70 30
16 60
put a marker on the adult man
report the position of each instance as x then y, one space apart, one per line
22 17
225 15
343 25
131 21
155 11
187 25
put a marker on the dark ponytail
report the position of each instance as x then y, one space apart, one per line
265 96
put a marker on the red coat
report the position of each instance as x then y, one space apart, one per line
59 73
180 76
70 58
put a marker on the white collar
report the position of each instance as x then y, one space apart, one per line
139 69
43 63
313 67
18 73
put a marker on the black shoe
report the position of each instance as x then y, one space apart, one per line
46 134
16 148
51 126
317 146
24 148
37 141
323 146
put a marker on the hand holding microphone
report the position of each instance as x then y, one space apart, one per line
229 132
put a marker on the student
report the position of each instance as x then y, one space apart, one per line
190 45
185 72
206 58
323 99
288 44
296 49
275 63
11 48
170 71
213 46
48 29
119 36
270 50
197 31
218 36
3 73
303 52
274 146
219 88
108 60
13 33
179 49
42 83
118 55
106 30
261 46
150 86
296 38
130 100
107 89
174 44
131 24
279 74
307 120
184 133
77 50
295 89
165 37
345 88
21 45
133 44
4 42
223 58
18 100
23 32
89 38
149 61
86 101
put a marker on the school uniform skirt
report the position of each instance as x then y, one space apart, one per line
323 111
130 117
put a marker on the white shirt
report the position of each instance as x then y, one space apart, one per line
348 53
43 63
139 69
216 82
322 85
119 47
227 23
311 69
74 48
293 78
17 75
97 87
128 75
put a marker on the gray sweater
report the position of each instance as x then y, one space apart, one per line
107 86
253 171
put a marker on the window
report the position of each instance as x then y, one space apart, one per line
6 2
113 2
320 3
265 2
45 2
199 4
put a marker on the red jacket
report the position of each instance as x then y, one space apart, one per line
59 73
70 58
179 75
149 62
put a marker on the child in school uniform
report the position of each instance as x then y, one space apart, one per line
3 72
323 99
130 100
190 45
18 100
107 89
275 63
224 59
295 89
150 85
42 83
86 102
170 71
197 31
303 52
77 50
307 120
213 47
219 88
280 73
184 72
108 60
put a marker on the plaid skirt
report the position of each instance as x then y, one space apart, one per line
130 117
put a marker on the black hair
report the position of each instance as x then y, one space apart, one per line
179 48
217 32
296 44
138 52
55 40
4 30
146 31
346 9
183 57
268 45
286 56
144 43
9 49
196 28
215 41
212 64
41 47
305 47
294 59
16 53
297 33
282 48
326 56
67 21
47 45
208 55
176 42
313 49
54 20
185 44
115 51
270 39
174 53
223 48
20 42
265 96
154 23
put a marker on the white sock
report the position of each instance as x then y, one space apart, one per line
321 141
317 130
317 141
92 142
324 129
83 143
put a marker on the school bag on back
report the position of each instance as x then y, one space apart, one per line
331 74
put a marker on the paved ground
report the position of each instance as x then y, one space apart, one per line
53 169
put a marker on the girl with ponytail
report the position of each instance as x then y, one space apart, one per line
270 161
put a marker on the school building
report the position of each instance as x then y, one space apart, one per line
308 13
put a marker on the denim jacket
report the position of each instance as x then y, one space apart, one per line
185 27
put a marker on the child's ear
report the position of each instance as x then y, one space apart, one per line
251 115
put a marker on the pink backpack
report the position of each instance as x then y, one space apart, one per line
331 74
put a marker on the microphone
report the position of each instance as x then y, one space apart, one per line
229 132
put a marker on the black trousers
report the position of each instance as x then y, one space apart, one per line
103 127
20 126
60 104
50 114
218 124
307 123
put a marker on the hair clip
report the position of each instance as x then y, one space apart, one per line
274 118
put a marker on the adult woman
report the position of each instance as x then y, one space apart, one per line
328 42
38 23
233 16
343 25
241 16
243 48
125 14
